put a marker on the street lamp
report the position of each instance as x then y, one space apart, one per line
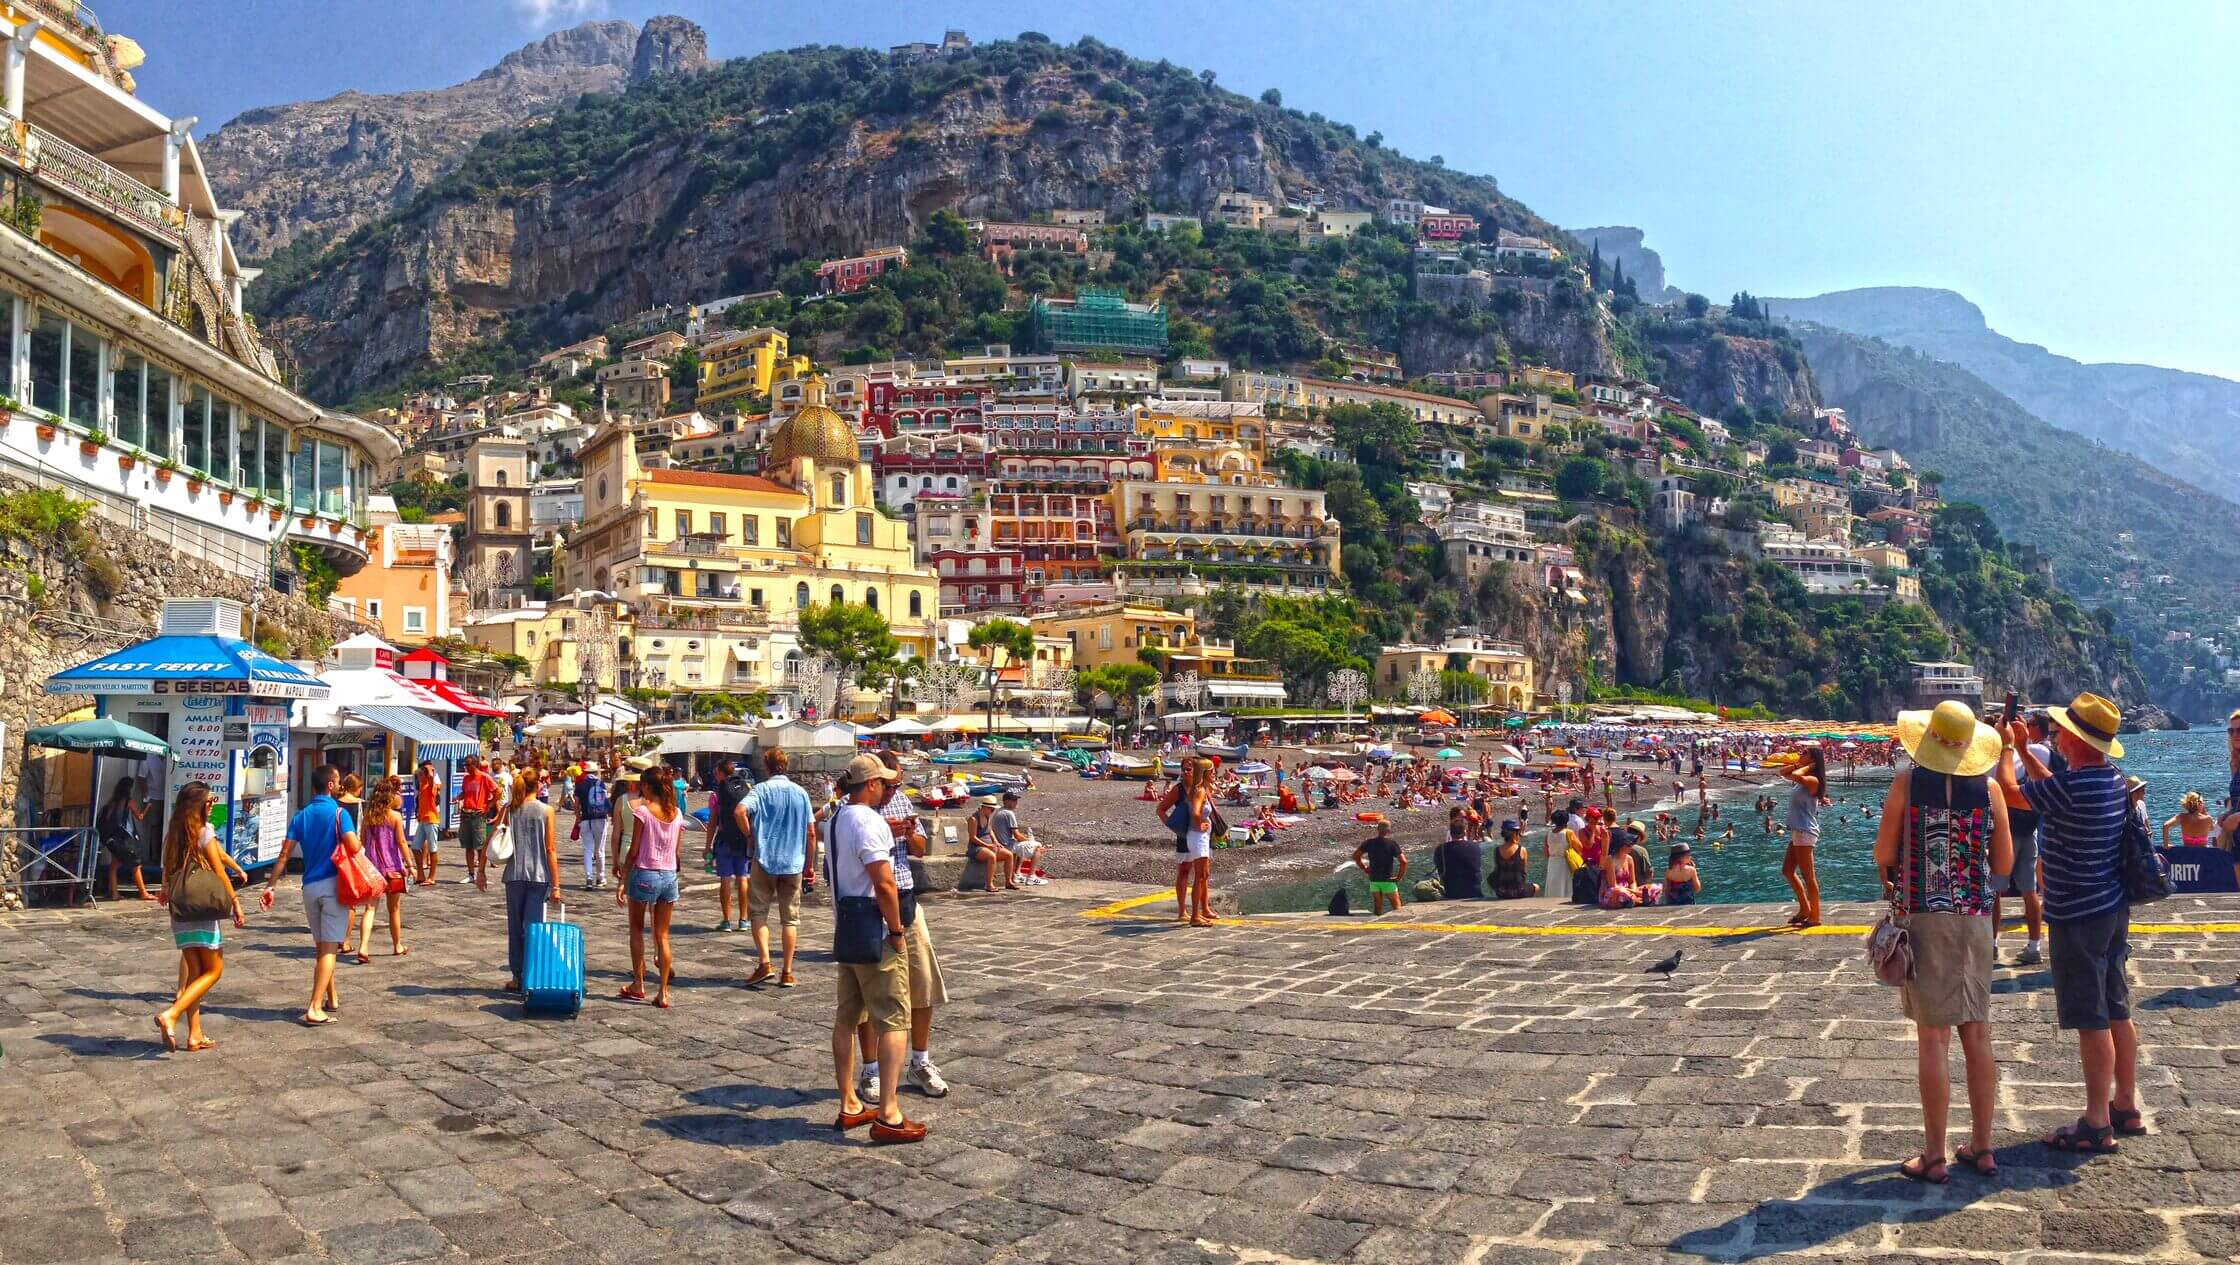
1346 687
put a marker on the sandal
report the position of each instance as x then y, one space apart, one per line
662 1002
1923 1169
169 1033
361 959
2128 1124
2083 1139
632 992
204 1044
1983 1163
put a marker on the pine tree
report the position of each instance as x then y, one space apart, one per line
1594 265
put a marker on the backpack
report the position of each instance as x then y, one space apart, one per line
595 803
2144 870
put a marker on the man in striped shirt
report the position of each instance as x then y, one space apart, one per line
2080 847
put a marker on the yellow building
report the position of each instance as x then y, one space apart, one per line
1112 632
1223 680
731 560
548 637
745 365
1502 665
1220 422
1542 378
1212 515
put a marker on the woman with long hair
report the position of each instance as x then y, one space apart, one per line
189 842
118 826
1187 808
1810 776
532 874
657 822
2196 828
383 832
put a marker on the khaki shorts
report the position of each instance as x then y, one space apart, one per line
765 889
927 988
875 994
1951 982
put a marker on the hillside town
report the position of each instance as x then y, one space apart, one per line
700 483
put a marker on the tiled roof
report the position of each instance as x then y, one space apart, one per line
711 479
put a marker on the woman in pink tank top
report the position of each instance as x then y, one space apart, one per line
657 821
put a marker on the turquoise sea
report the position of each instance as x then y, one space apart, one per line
1749 869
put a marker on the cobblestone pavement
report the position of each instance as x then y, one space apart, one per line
1124 1091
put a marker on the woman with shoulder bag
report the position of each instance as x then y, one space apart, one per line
1945 837
194 872
384 838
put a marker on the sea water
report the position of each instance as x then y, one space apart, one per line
1749 869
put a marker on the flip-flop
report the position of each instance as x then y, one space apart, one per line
361 959
198 1046
403 952
631 993
2127 1124
1920 1169
170 1035
661 1002
321 1022
1982 1163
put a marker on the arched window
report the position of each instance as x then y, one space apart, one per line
501 478
801 595
838 596
871 598
952 483
505 514
917 605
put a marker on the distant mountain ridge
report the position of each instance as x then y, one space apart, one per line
2184 424
311 171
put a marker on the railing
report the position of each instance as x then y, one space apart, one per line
47 857
62 164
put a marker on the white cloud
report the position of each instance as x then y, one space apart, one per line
547 12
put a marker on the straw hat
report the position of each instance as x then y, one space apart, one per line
2092 720
1949 740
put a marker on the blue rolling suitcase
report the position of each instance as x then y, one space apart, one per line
552 977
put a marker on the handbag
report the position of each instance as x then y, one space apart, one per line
199 895
1890 943
356 881
396 885
499 848
859 930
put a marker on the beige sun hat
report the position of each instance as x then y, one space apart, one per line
1949 740
2093 720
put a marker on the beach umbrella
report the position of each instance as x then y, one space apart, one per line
1342 774
1438 716
1318 774
106 736
1510 762
1449 753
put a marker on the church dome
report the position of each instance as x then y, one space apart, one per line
816 432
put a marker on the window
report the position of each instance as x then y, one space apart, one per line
684 523
332 490
83 395
196 430
750 527
838 596
126 388
275 454
839 490
917 605
801 596
871 598
156 411
250 432
863 529
785 533
504 515
755 596
602 489
49 339
718 525
373 608
305 496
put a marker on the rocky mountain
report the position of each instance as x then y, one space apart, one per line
308 173
2185 424
1643 266
691 186
2161 555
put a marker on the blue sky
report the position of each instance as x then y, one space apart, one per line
2069 167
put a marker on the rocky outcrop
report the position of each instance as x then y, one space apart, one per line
668 46
2184 424
1624 247
1547 324
678 217
1721 370
313 171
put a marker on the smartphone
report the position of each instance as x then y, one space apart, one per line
2014 709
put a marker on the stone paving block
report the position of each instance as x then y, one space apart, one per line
384 1243
1412 1247
266 1238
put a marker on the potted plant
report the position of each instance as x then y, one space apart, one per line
164 470
194 482
309 523
225 496
46 430
8 407
127 459
89 444
272 510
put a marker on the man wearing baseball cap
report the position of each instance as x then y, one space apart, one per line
864 858
2080 849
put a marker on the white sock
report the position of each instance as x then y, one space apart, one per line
920 1058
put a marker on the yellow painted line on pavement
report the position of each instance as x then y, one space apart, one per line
1125 909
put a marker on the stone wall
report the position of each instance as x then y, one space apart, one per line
85 593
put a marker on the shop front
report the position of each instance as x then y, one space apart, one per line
375 722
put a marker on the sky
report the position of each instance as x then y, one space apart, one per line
2071 168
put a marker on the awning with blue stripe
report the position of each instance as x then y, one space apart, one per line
189 664
434 740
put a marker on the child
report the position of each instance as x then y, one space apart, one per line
1378 858
1681 882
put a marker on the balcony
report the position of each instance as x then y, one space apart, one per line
56 162
342 546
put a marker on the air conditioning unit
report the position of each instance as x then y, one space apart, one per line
201 617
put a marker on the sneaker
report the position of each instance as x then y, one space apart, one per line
468 880
2028 957
927 1078
724 925
867 1082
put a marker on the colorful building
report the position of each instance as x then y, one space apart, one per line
744 365
850 274
1098 319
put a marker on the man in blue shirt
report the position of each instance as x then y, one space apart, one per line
322 824
775 819
2081 810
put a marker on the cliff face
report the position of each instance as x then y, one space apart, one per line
2184 424
710 182
1713 373
1571 333
313 171
1626 247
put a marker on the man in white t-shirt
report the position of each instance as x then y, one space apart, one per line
927 988
864 862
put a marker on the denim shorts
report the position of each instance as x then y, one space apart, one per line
653 887
732 864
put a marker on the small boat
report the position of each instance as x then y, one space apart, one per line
1053 764
1083 742
1130 768
1012 750
1231 754
960 753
